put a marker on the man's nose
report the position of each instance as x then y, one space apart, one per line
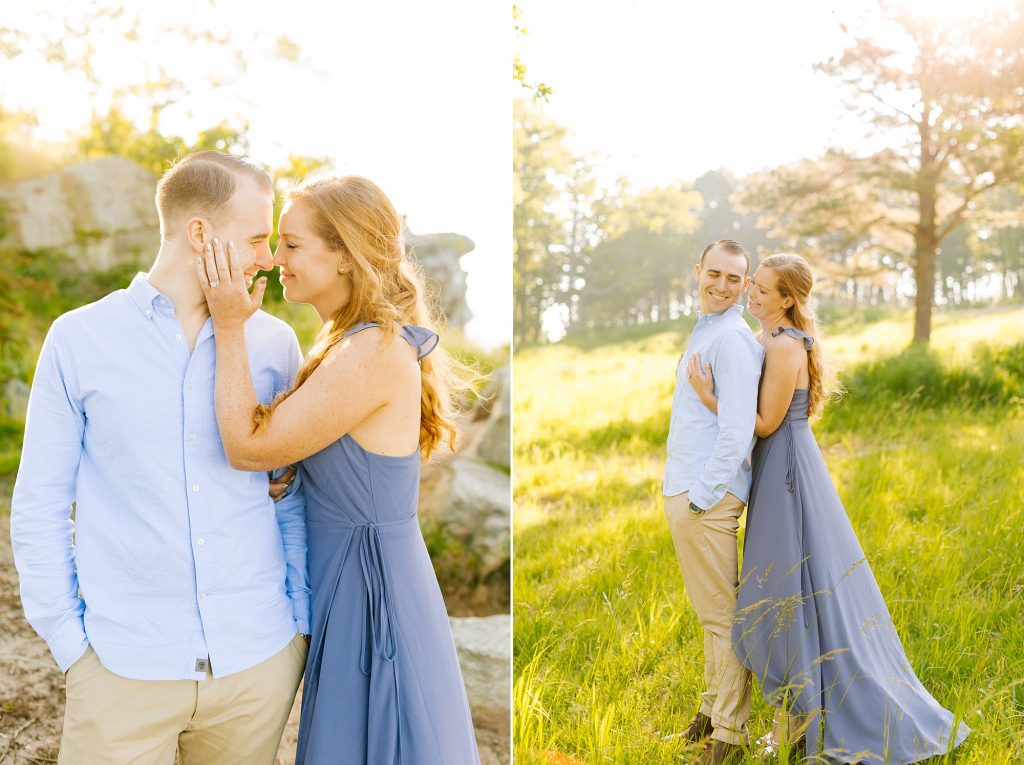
264 258
278 258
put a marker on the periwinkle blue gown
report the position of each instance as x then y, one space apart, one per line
382 683
811 622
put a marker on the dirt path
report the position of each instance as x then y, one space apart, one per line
32 687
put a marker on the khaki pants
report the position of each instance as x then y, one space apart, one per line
706 549
233 720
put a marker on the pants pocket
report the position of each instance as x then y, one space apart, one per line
85 667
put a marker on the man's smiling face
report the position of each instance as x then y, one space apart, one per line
249 225
721 279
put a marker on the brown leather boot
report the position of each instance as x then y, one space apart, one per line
699 729
721 753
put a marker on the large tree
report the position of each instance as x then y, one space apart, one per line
944 101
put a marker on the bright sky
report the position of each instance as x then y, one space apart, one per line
413 95
665 91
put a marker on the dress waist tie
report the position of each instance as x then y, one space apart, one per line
380 638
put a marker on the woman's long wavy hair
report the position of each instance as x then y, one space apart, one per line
357 219
795 282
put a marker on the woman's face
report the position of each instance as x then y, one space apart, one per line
765 301
309 268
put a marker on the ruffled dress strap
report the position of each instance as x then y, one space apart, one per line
796 334
359 328
420 338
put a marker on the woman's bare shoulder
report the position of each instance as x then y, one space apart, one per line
787 350
373 350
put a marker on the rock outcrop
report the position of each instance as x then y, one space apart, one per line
100 211
439 255
494 446
484 645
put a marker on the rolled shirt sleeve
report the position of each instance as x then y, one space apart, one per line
737 372
291 518
42 531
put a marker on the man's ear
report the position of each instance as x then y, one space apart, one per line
747 281
199 232
696 270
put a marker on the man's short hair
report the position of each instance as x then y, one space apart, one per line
730 246
203 184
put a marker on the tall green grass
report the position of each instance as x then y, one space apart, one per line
926 449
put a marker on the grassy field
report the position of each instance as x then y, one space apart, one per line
926 450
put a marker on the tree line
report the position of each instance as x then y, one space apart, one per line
934 217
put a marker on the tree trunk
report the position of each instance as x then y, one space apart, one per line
926 239
924 277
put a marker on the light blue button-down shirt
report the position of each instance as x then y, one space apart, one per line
709 454
173 556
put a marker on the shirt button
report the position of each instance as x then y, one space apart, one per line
200 541
191 436
195 487
202 596
177 336
149 314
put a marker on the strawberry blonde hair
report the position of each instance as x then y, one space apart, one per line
795 281
354 217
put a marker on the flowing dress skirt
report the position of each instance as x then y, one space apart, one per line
811 622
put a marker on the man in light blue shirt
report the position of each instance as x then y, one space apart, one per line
706 484
177 598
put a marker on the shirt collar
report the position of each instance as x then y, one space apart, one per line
143 294
734 308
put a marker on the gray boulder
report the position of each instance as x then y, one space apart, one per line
440 256
101 212
485 656
495 441
475 510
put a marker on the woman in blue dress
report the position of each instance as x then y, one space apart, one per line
373 398
810 620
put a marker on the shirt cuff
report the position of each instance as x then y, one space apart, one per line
301 613
68 642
